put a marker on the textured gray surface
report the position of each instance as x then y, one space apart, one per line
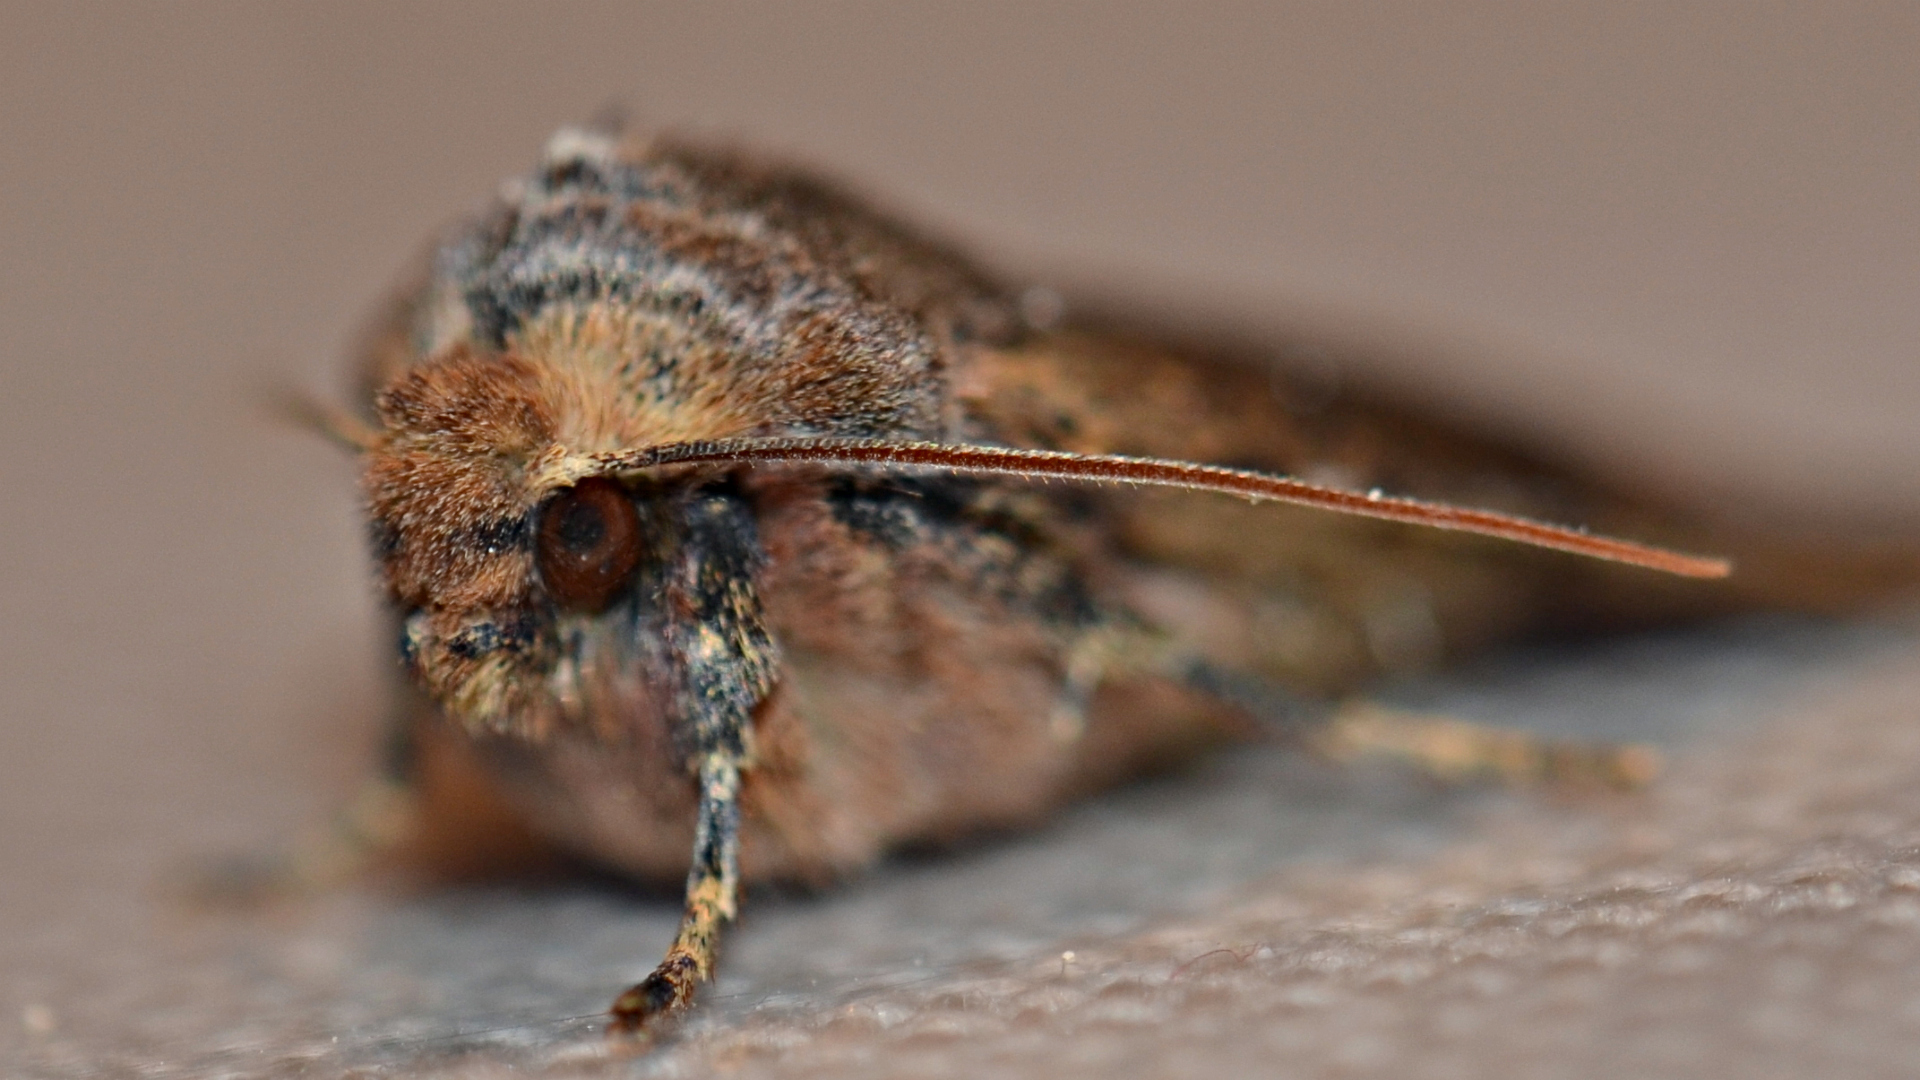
1757 913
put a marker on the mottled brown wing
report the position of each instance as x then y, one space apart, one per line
1321 601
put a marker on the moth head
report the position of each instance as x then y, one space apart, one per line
491 534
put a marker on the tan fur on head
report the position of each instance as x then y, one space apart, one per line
452 467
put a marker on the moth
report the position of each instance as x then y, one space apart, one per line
737 531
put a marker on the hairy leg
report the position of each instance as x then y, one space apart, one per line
712 891
1443 747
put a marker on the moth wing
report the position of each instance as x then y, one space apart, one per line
1338 598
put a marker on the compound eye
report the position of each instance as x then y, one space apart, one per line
588 544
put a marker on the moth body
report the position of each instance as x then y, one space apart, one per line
737 670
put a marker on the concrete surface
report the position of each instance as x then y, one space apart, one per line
1674 240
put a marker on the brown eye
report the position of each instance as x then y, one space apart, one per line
589 543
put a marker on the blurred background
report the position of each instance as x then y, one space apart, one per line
1678 241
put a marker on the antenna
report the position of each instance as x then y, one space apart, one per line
1154 472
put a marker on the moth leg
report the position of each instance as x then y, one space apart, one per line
1458 751
727 661
1444 747
713 886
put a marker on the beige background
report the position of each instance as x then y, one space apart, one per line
1677 240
